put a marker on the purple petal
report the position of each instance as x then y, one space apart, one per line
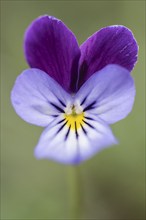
56 145
109 94
37 98
50 46
110 45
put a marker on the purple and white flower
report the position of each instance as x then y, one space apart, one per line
75 92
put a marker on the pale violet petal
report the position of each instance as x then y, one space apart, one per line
37 98
60 144
109 94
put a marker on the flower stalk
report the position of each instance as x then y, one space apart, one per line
75 192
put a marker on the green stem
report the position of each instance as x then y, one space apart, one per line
75 192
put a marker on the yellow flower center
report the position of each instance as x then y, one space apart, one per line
74 120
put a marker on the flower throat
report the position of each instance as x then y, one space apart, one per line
74 120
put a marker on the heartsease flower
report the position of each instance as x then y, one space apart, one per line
75 92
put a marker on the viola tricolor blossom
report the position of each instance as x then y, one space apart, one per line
74 91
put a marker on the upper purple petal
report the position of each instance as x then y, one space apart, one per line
110 45
50 46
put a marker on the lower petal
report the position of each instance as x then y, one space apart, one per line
63 144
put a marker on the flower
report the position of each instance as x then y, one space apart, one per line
75 92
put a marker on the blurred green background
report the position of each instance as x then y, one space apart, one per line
112 182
